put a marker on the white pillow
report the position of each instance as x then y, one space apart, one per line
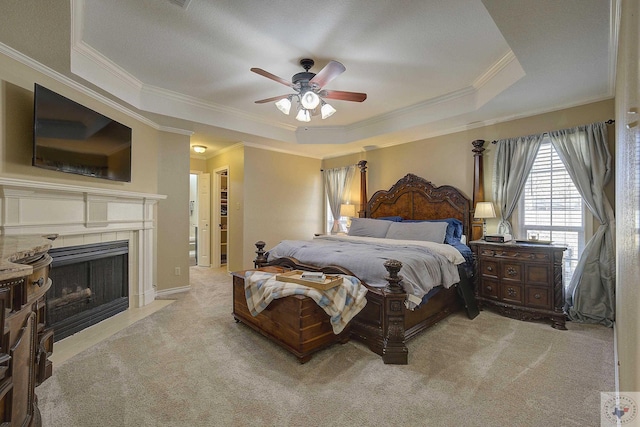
424 231
367 227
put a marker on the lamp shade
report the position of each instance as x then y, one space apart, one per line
348 210
484 210
309 100
284 105
199 149
326 110
303 115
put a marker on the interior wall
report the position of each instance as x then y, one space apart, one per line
173 212
283 199
197 164
234 159
16 136
448 159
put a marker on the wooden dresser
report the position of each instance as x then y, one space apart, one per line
520 280
26 343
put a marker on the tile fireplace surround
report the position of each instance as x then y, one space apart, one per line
82 215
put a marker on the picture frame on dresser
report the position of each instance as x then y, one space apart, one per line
520 280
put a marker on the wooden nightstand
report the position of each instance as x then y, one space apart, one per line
520 280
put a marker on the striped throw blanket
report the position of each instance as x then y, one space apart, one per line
341 303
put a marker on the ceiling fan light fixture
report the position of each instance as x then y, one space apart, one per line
284 105
303 115
199 149
309 100
327 110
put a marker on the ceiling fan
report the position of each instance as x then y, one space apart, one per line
310 93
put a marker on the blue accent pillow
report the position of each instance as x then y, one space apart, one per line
454 228
390 218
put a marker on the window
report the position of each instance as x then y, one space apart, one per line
552 208
329 220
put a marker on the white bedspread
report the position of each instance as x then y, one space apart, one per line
425 265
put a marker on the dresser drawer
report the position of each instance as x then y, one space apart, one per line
512 294
489 268
536 274
490 289
536 296
511 272
37 281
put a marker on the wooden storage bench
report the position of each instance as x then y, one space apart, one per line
295 322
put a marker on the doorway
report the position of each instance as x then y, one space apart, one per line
220 202
199 219
193 219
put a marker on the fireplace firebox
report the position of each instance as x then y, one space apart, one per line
90 283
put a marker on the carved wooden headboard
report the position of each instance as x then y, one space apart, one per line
416 198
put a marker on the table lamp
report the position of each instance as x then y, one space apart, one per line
349 211
483 211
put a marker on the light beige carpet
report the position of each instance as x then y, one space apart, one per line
191 364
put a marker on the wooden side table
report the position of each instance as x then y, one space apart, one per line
520 280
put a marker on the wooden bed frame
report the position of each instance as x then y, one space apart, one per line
385 324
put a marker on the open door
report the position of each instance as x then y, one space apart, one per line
204 220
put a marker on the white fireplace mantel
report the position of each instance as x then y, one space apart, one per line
81 215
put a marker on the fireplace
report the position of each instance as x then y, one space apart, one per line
90 283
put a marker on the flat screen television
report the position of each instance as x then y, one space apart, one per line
69 137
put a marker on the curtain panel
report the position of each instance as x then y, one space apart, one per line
591 292
513 162
337 182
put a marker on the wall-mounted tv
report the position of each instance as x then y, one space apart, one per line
70 137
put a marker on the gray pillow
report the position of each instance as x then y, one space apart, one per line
425 231
367 227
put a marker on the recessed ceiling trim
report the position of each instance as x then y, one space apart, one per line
494 70
61 78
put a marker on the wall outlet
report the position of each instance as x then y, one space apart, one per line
177 271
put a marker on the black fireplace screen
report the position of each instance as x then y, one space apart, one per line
89 284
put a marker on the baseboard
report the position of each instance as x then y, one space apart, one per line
171 291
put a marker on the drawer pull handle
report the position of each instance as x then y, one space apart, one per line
537 296
489 288
511 292
39 282
489 268
511 271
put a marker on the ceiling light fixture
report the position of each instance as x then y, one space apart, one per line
309 90
326 110
284 105
309 100
199 149
303 115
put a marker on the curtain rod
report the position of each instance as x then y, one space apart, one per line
608 122
357 164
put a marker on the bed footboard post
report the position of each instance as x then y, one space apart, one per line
394 349
261 259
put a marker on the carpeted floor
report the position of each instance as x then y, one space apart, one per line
191 364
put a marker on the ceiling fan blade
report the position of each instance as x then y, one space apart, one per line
330 71
275 98
344 96
272 76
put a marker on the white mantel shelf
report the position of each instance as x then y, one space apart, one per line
81 215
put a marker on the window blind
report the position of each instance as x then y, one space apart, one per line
552 206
